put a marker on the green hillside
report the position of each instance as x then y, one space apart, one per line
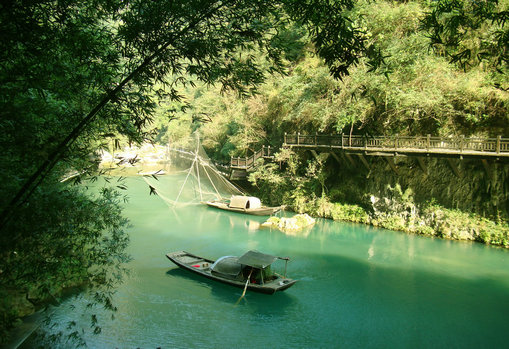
421 89
78 78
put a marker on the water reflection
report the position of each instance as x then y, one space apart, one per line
252 226
274 305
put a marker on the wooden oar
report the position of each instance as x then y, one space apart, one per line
245 287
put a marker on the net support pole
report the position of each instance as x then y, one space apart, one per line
197 163
211 182
198 176
185 181
286 259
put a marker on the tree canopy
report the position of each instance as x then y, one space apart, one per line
77 76
107 56
470 32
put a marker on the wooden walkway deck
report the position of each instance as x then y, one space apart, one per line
240 166
459 147
246 163
484 149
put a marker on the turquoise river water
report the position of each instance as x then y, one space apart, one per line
359 287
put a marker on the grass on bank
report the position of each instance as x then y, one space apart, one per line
429 220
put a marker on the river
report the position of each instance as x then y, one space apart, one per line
359 287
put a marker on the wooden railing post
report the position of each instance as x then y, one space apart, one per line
342 146
498 144
298 136
284 141
268 151
428 141
316 136
462 137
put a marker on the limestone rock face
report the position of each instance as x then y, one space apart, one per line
479 189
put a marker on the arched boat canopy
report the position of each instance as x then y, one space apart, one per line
257 259
239 201
227 266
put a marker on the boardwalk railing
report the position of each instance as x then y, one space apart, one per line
404 144
246 163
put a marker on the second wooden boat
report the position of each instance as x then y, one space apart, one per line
244 204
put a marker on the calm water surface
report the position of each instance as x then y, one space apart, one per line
359 287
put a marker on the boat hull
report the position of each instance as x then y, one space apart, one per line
262 211
201 266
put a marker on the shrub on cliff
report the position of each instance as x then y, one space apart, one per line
458 225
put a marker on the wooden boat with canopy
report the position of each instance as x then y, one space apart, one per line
244 204
252 270
209 185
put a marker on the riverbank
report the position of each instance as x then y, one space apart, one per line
400 213
397 211
134 160
23 329
432 220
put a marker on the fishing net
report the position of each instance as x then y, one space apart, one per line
187 176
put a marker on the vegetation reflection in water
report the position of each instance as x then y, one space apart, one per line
359 286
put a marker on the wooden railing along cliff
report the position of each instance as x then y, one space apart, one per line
439 146
494 148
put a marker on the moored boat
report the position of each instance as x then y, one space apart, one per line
244 204
252 270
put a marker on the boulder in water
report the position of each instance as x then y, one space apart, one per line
291 224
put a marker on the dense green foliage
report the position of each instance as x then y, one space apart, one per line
470 32
77 77
418 91
56 236
422 94
82 243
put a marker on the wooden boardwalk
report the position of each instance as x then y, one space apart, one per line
246 163
459 147
240 166
484 149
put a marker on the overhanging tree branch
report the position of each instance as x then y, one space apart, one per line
40 174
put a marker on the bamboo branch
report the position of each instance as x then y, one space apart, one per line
40 174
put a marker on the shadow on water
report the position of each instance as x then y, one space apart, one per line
26 334
407 306
230 294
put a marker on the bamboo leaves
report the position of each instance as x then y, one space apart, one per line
470 32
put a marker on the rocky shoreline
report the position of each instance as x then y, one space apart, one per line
400 213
